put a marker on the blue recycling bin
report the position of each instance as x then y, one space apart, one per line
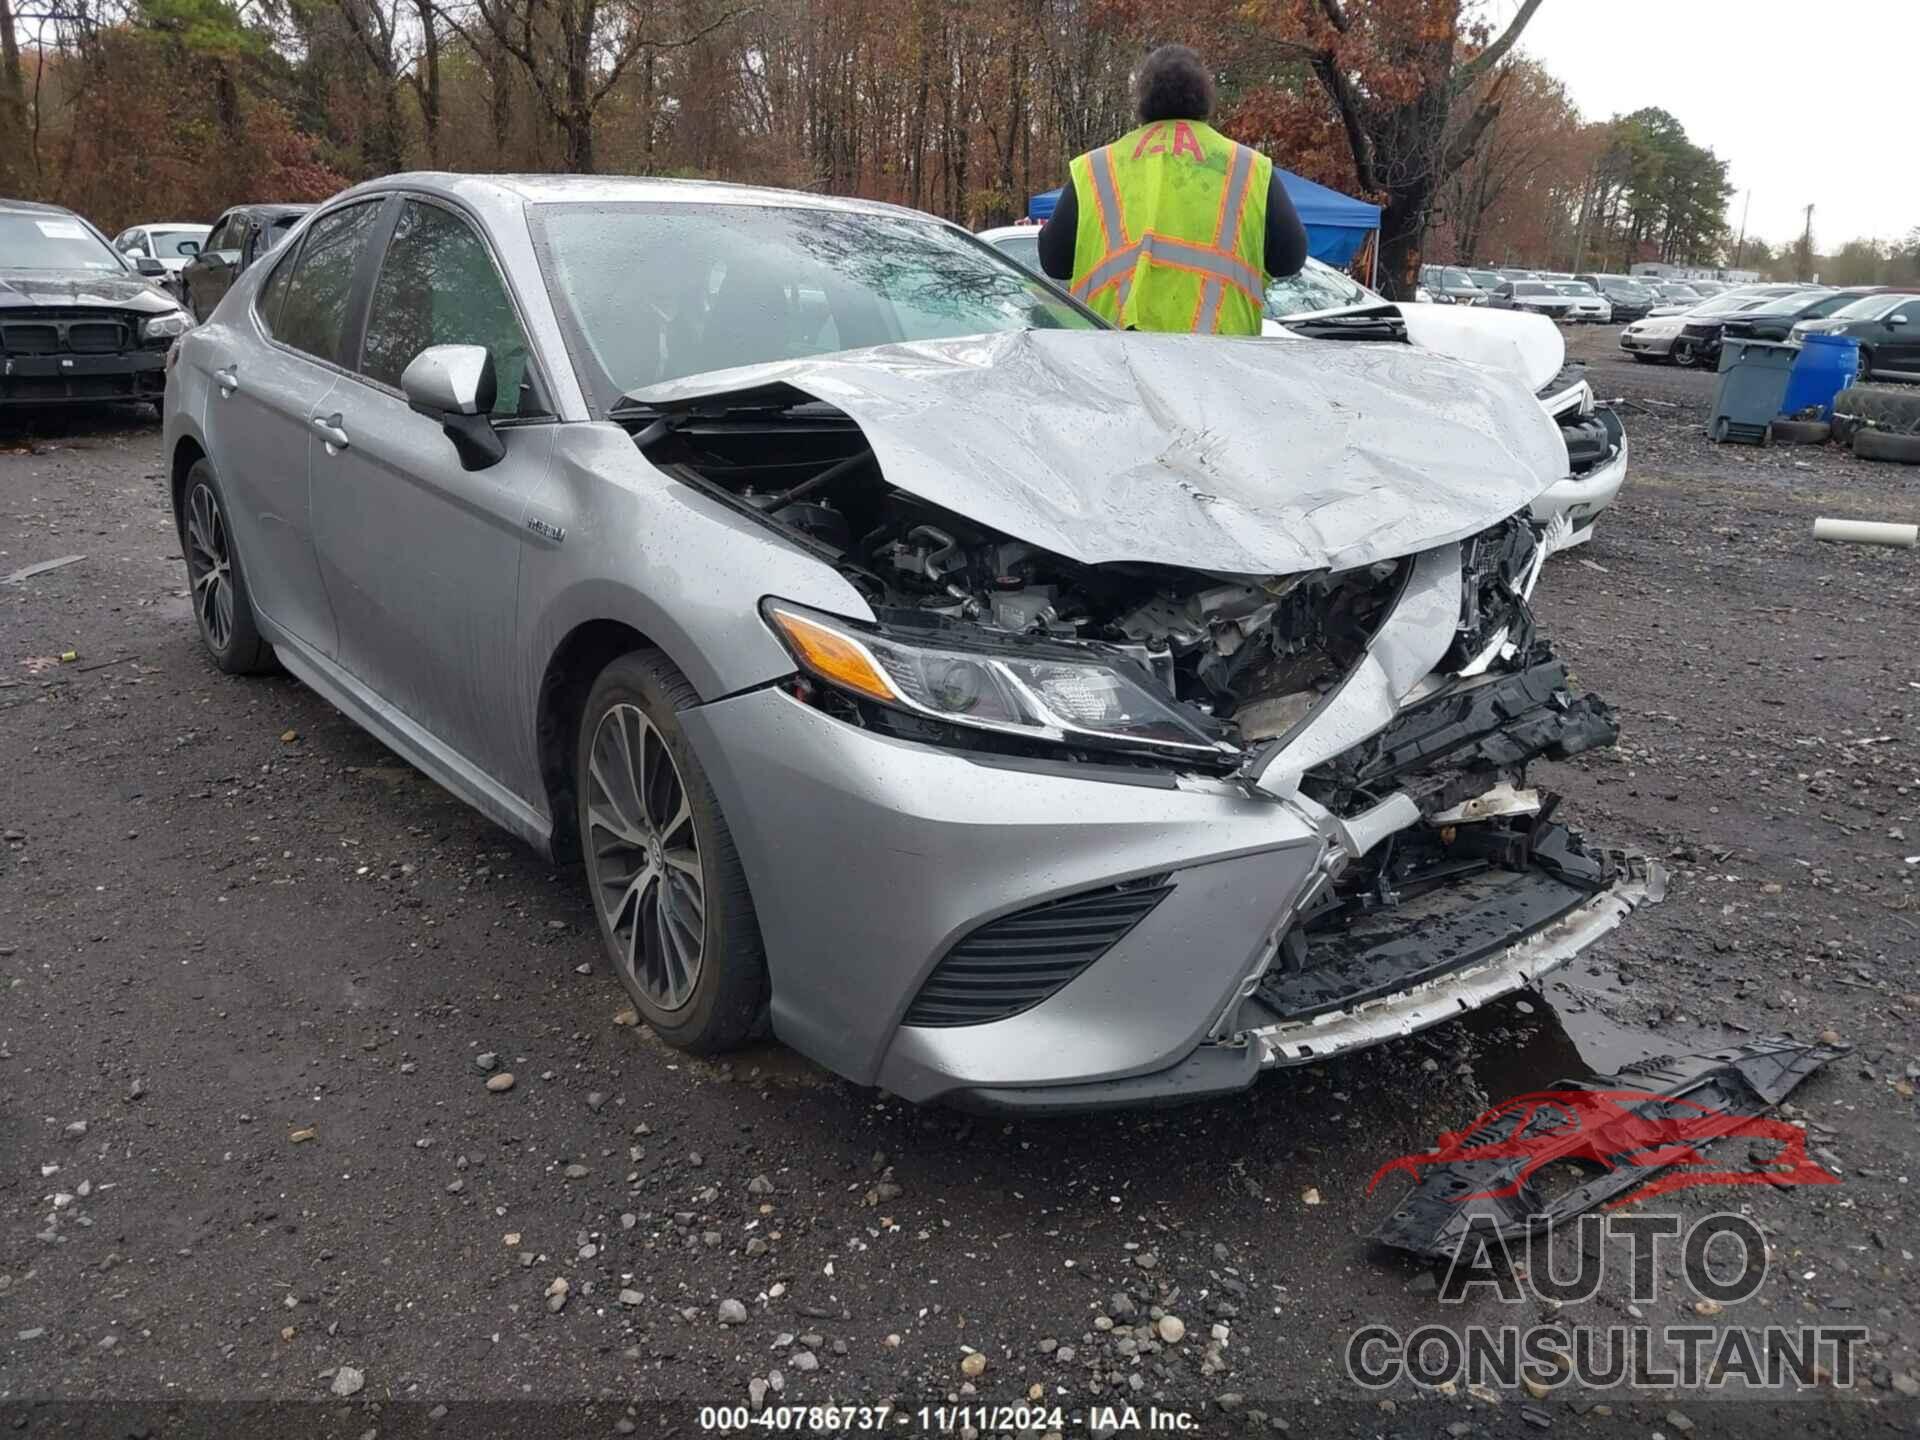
1825 367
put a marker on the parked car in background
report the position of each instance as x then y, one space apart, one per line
1538 296
794 578
1590 307
1886 324
1775 318
1710 288
1692 337
234 241
1022 243
79 321
1509 272
173 243
1671 297
1629 298
1450 285
1487 280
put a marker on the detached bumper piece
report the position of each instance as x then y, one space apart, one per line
1632 1127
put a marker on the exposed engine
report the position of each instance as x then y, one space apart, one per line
1252 655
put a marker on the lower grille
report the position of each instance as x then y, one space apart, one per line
1013 963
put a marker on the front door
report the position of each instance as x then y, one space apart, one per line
274 368
1901 348
422 557
206 277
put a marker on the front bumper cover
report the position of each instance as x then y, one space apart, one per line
70 379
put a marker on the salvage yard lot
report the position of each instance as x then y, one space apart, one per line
228 918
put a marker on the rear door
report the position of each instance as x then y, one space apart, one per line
422 557
274 366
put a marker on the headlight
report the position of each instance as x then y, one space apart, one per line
1041 697
165 327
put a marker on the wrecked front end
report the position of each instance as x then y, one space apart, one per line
1043 832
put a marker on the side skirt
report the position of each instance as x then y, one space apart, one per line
433 757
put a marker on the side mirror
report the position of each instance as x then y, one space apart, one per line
147 265
455 385
1896 319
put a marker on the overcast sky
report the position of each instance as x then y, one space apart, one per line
1791 94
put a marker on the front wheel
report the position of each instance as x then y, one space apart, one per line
669 893
1865 372
1685 356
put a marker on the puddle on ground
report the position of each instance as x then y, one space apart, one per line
1573 1035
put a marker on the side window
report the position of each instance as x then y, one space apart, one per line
313 310
1912 311
438 286
273 294
220 238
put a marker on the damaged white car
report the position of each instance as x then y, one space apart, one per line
1004 709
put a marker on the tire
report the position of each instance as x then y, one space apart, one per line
1865 372
1843 428
709 1000
1880 445
1718 434
1884 405
1685 356
216 581
1802 432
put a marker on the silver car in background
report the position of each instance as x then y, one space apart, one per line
1002 708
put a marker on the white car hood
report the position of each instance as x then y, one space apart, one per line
1230 456
1528 347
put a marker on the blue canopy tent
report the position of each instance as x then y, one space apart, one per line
1337 225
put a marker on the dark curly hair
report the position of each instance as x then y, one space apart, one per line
1172 84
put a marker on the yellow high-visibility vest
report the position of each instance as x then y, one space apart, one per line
1173 230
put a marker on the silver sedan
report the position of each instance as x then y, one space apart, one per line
998 707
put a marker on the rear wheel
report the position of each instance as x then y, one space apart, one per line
222 606
1865 372
669 893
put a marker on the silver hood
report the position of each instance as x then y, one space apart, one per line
1236 457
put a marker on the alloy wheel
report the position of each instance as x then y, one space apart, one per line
644 858
210 566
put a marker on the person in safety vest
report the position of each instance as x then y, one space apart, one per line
1174 226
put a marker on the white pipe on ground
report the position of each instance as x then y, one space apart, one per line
1867 532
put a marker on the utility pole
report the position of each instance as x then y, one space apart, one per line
1806 248
1739 249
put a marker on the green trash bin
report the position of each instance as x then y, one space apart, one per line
1753 382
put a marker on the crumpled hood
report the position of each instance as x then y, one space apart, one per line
20 289
1232 456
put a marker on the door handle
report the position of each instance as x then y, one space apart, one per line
228 378
328 429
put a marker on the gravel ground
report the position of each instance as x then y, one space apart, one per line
259 974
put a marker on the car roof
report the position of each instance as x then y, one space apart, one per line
1006 232
34 207
170 225
495 192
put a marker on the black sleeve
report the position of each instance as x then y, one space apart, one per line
1286 236
1057 236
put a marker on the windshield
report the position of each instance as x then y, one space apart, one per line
655 291
1532 287
1627 288
1485 279
1573 287
1789 304
177 244
1455 279
1316 287
1679 292
1870 307
1729 305
53 242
